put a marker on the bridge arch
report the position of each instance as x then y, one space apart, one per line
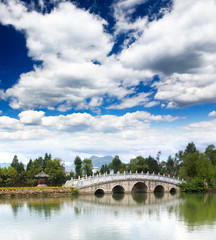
118 189
99 191
159 188
139 187
172 190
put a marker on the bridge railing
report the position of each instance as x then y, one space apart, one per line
91 180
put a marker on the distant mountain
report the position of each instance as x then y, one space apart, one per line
99 161
2 165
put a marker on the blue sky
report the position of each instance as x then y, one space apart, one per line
125 77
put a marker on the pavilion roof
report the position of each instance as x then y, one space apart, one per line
42 175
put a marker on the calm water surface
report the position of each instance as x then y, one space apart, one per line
138 216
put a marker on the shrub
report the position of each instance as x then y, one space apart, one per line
193 185
75 191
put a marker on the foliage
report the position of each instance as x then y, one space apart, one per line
190 148
104 169
75 191
210 152
78 166
141 164
116 164
193 185
194 166
55 169
87 167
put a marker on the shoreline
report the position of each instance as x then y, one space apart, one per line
36 191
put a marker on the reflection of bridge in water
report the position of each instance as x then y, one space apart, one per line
125 183
136 203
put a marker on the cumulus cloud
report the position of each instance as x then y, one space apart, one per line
80 133
31 117
7 123
66 41
212 114
181 48
83 134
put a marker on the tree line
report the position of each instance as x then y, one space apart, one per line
17 175
196 167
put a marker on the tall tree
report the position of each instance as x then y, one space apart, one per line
13 176
15 162
210 152
153 165
55 168
190 148
46 158
78 166
138 164
116 164
87 167
104 169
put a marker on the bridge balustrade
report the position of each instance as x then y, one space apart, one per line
98 179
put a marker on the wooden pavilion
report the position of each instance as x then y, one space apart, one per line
42 179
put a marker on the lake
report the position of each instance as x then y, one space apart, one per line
105 217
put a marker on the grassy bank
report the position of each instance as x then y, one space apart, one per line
36 191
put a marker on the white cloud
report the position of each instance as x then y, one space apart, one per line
122 12
80 133
129 102
212 114
66 41
31 117
151 104
7 123
131 134
181 48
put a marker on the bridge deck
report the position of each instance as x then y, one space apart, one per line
100 179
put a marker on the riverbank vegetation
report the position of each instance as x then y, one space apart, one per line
197 168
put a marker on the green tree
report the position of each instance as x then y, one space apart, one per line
153 165
55 168
138 164
15 162
116 164
13 176
78 166
29 165
33 168
190 148
196 164
4 175
19 167
210 152
87 167
172 166
46 158
104 169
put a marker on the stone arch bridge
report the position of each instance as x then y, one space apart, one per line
125 183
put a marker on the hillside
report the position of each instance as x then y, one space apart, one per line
99 161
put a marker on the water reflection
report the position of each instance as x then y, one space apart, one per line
193 209
39 205
128 199
198 209
118 196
